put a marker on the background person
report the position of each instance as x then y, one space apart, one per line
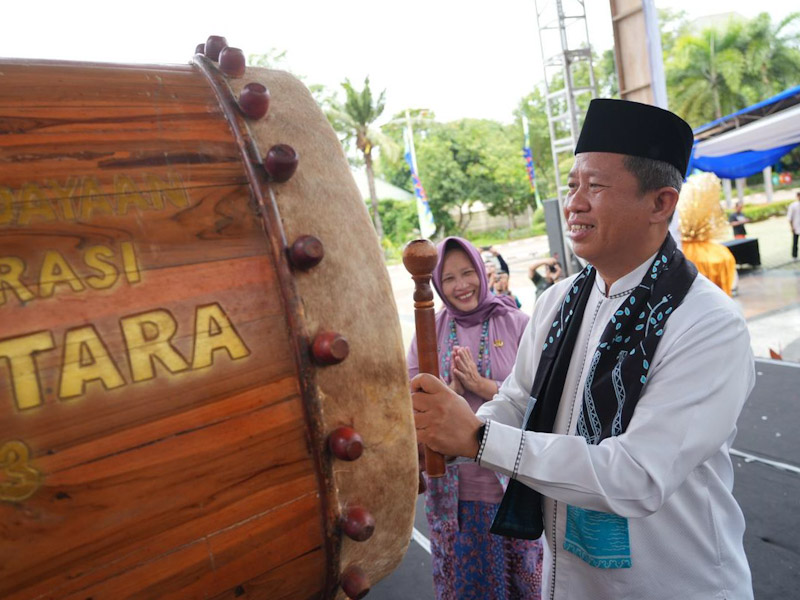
478 334
617 420
544 272
495 263
493 253
501 283
491 266
737 221
793 214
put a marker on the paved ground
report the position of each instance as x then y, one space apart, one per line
770 296
767 448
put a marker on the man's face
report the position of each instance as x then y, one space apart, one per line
501 282
607 216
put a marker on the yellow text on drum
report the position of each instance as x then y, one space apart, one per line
86 359
55 270
84 198
18 479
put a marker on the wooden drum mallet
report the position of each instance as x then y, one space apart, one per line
420 258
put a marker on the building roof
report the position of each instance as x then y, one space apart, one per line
384 189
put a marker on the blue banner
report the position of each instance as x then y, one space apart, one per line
527 154
427 226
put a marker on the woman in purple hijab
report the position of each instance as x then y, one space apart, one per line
478 334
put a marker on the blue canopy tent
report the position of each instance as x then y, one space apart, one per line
749 140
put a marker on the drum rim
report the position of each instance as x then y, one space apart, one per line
299 337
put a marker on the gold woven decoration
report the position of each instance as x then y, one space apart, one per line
701 216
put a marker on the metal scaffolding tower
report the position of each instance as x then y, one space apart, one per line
566 58
564 42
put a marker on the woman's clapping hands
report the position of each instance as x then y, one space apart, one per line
465 373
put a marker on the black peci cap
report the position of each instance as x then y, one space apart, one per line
636 129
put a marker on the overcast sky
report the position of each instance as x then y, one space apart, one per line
460 58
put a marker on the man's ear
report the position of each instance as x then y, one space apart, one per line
665 200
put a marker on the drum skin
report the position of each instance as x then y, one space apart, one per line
163 422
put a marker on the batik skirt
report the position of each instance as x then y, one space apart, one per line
471 563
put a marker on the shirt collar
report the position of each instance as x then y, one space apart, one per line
626 283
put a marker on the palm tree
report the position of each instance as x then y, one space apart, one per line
705 72
354 119
719 71
773 55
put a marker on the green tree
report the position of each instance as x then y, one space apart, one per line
772 56
673 24
355 119
442 177
606 72
400 221
705 73
393 167
723 69
533 107
271 59
396 171
471 160
510 193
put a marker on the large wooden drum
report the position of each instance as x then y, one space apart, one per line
192 403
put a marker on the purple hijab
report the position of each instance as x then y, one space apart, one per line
506 321
488 303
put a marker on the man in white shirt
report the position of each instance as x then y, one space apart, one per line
615 425
793 214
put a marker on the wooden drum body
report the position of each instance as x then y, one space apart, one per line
170 372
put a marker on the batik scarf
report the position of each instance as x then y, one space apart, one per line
617 375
